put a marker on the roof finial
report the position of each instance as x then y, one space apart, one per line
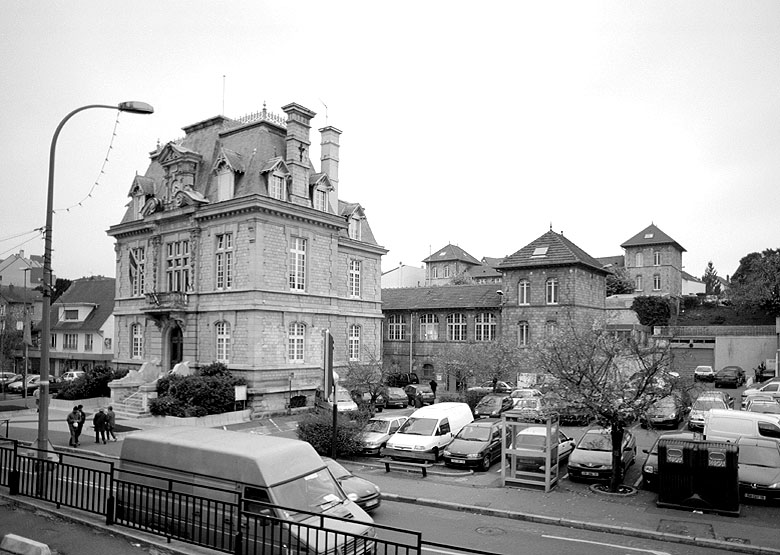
550 226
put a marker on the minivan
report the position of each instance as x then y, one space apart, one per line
729 425
218 464
428 431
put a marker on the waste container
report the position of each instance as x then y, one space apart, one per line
698 475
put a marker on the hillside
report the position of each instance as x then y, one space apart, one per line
723 316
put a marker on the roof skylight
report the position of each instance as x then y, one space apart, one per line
539 252
648 235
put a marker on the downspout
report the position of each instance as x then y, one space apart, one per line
411 341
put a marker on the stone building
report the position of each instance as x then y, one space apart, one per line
447 263
234 248
654 261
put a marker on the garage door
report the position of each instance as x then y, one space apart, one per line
687 355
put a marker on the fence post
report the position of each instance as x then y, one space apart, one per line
238 539
13 474
111 500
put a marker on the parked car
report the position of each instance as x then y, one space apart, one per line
703 404
522 392
730 376
771 388
704 373
401 379
759 469
529 409
33 382
425 390
344 402
530 448
650 467
763 405
7 378
668 411
378 430
363 399
592 457
493 405
366 494
487 387
478 444
72 375
395 397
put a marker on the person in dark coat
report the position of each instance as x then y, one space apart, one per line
418 400
82 419
434 384
73 424
99 421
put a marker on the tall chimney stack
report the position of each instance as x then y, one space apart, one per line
329 161
298 144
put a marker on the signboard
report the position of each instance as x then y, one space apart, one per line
240 392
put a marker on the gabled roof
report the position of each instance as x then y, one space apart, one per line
273 164
93 291
233 159
651 235
320 180
443 297
618 261
452 252
492 262
143 184
551 249
688 277
484 271
19 295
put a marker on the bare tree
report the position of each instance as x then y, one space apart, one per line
368 377
483 361
613 378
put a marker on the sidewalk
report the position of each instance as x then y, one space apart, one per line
569 505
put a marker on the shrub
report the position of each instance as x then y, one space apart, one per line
94 383
449 397
652 310
210 391
316 428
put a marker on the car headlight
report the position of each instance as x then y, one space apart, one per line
473 456
447 453
649 469
352 496
390 445
419 448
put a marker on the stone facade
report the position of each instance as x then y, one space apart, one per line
232 252
654 261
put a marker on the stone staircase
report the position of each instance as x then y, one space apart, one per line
130 407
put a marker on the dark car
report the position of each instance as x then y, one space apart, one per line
363 399
477 445
730 376
395 397
666 412
493 405
401 379
650 467
592 457
425 390
366 494
759 469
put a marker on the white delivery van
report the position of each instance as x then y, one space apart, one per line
218 464
428 431
729 425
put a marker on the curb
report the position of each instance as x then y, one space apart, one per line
583 525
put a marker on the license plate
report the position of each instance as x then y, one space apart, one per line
458 461
589 473
372 503
754 496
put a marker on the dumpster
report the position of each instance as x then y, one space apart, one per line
698 475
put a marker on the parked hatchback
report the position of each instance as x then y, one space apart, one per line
668 411
493 405
730 376
592 457
530 449
703 404
704 373
477 445
366 494
72 375
425 392
395 397
378 430
759 469
650 468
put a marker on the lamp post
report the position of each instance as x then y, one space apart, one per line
133 107
24 332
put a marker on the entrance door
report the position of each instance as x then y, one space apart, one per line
177 347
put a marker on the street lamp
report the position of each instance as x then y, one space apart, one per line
134 107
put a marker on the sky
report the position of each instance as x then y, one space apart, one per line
478 124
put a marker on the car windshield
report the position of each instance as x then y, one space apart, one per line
379 426
665 404
396 392
419 426
596 441
530 441
527 404
475 433
765 408
489 403
707 404
317 492
727 373
759 456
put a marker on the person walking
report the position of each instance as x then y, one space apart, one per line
434 384
73 423
82 419
418 400
110 423
99 421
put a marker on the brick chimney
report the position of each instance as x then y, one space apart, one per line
298 144
329 161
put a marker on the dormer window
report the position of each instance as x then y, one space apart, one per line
320 200
276 187
225 183
138 203
71 314
354 229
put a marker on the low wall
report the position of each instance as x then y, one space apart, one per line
93 403
209 421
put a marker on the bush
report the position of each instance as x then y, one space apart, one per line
94 383
316 428
210 391
449 397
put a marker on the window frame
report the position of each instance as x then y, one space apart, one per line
396 327
354 278
222 337
638 283
457 327
70 314
656 258
136 341
277 188
353 342
88 342
656 282
296 342
226 183
223 261
485 326
137 271
551 291
523 292
429 327
638 260
297 261
523 333
320 200
70 341
178 267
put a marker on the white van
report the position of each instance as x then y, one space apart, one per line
217 464
428 431
729 425
344 401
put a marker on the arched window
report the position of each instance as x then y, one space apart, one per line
353 345
429 327
522 334
223 342
137 339
485 327
296 335
456 327
524 292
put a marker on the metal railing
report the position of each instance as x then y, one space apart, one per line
219 518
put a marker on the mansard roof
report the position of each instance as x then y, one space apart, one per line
233 159
651 235
441 298
141 184
320 179
275 163
551 249
452 253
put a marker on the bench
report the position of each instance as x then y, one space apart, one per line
424 466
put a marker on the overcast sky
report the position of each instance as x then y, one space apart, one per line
477 124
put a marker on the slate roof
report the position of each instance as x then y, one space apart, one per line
443 297
688 277
492 262
452 252
484 271
559 252
651 235
618 261
98 291
13 294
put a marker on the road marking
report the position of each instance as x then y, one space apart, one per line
653 551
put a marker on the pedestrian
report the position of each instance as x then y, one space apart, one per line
73 424
111 422
434 384
37 395
82 419
495 384
99 421
418 400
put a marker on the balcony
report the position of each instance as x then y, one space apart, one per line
158 303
